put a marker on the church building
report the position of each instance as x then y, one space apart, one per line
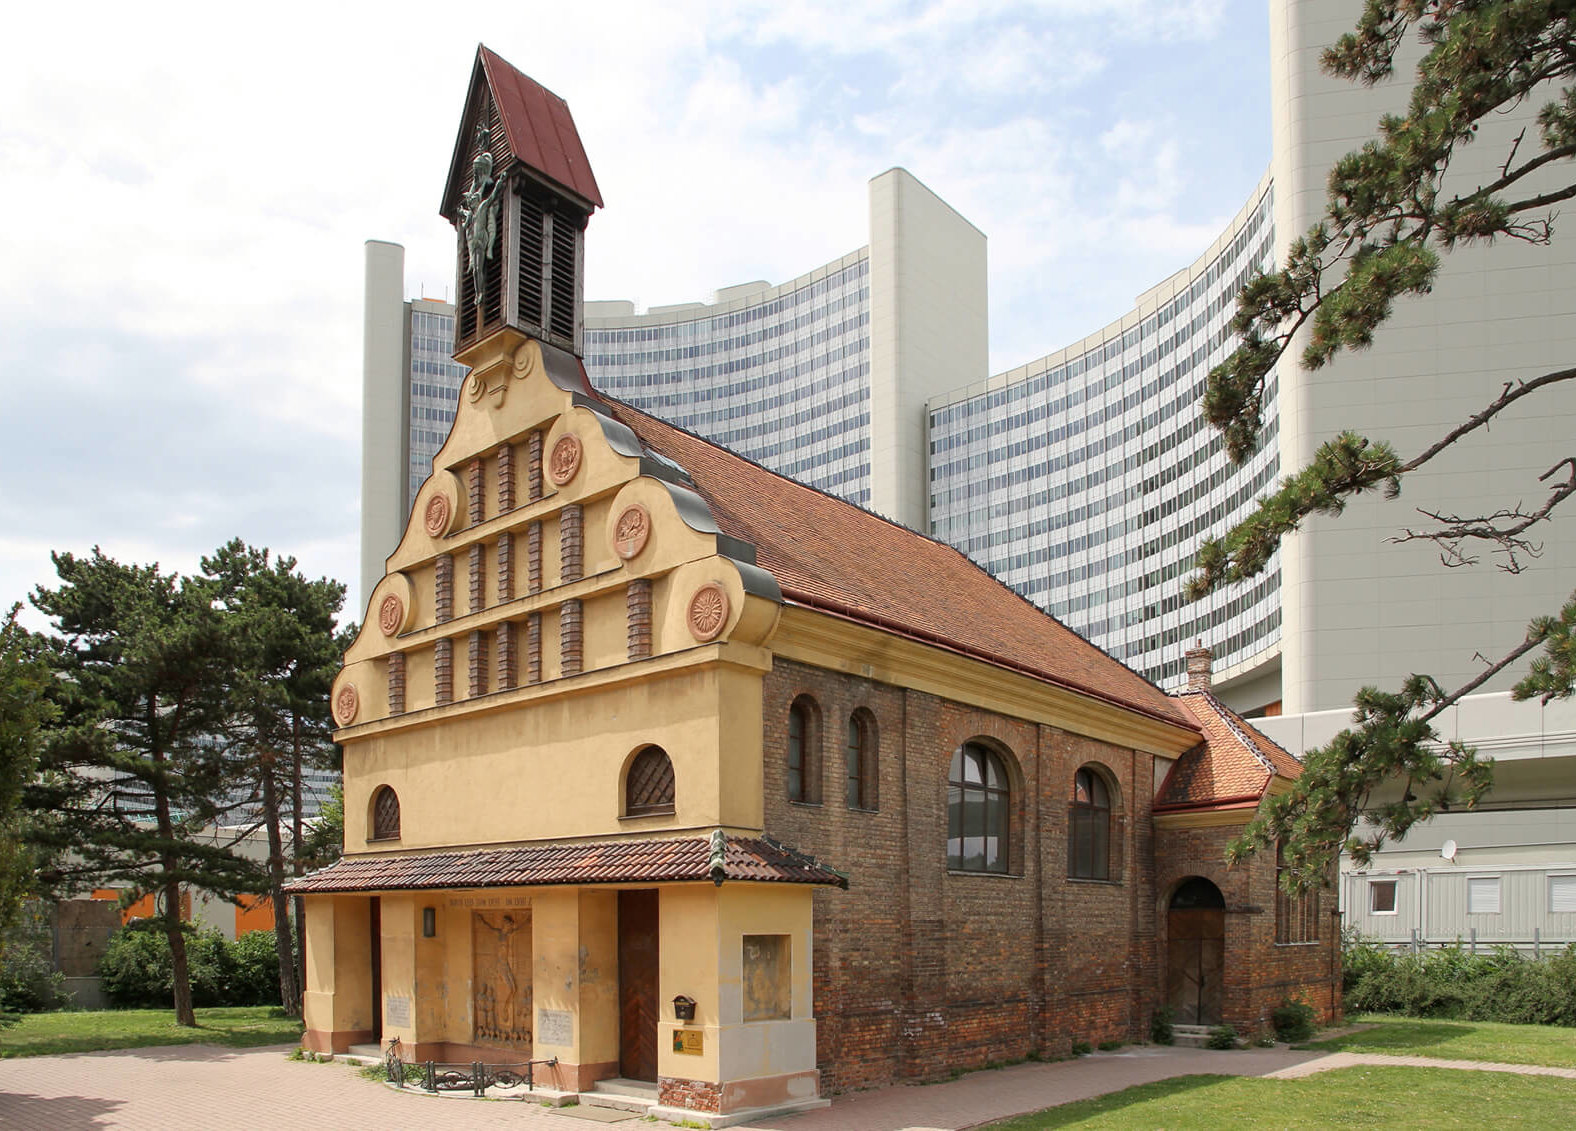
681 772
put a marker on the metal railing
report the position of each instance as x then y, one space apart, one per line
475 1077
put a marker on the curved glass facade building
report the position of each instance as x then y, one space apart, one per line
778 374
1086 478
1082 480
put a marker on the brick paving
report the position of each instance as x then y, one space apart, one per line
192 1086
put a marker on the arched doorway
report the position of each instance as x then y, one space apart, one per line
1196 952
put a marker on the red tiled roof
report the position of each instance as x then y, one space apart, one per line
541 132
611 862
831 555
1234 763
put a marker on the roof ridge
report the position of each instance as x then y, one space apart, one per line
1235 724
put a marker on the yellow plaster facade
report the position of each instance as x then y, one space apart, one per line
511 738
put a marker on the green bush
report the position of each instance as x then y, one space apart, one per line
136 969
1161 1030
1293 1021
255 973
28 980
1500 985
1221 1037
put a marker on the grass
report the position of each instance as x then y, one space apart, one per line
46 1034
1459 1040
1393 1098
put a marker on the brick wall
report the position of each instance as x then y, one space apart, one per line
1259 974
920 970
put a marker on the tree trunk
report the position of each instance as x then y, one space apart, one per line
284 940
171 887
184 1014
297 829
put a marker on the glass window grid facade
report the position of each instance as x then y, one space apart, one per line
1087 484
435 381
784 381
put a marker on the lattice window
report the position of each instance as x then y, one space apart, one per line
978 810
861 761
1296 916
1089 825
385 814
649 786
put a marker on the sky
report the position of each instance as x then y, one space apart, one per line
185 191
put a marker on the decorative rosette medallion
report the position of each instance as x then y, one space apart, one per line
346 705
436 517
391 615
631 531
708 612
565 460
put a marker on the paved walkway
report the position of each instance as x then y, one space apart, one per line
1352 1059
197 1087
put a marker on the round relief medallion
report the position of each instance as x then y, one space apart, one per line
346 704
708 611
436 517
565 460
631 531
391 615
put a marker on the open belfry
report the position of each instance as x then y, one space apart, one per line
663 768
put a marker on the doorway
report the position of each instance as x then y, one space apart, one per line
375 921
638 964
1196 952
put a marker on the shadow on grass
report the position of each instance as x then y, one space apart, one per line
1398 1036
1071 1114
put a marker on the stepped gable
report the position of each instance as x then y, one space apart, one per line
1234 765
830 555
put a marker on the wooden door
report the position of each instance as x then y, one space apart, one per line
637 984
1195 966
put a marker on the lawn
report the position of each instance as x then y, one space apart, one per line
41 1034
1459 1040
1393 1098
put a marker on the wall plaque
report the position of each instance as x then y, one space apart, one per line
690 1042
396 1011
555 1027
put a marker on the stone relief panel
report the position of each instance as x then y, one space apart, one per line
501 976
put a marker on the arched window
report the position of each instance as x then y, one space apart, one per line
861 760
977 810
648 787
1089 823
803 764
385 814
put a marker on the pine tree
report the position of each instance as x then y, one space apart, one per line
133 773
280 627
24 711
1392 211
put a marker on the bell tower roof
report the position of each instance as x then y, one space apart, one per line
539 134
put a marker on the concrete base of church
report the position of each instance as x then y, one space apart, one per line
758 1094
688 1116
334 1040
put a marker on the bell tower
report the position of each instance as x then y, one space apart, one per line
519 194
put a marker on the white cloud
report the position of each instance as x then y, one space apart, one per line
187 189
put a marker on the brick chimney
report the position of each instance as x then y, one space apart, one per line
1198 666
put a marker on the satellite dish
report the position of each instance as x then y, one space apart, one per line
1448 850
